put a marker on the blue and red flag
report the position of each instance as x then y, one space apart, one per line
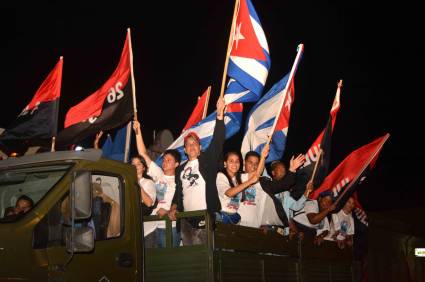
249 61
205 128
277 102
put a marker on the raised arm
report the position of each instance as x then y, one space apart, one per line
233 191
141 148
316 218
215 149
264 154
97 139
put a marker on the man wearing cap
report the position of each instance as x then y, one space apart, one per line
312 219
196 180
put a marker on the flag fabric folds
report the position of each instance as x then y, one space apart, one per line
323 142
109 107
205 128
261 118
115 150
344 179
249 61
199 110
40 117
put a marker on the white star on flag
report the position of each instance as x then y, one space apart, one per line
238 35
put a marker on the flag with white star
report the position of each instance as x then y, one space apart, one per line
249 61
261 118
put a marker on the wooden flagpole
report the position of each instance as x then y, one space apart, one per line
207 99
229 47
52 149
316 164
127 142
363 168
300 50
133 83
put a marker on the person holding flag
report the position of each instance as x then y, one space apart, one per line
164 179
196 180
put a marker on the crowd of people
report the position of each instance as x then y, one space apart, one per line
209 181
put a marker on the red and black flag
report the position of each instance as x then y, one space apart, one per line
320 151
346 177
107 108
39 119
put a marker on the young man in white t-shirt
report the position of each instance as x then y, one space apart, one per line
342 226
312 219
259 206
165 186
196 180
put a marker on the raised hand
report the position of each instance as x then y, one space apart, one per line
97 139
220 108
136 126
295 163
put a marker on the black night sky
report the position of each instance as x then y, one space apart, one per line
179 49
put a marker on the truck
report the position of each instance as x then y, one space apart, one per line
86 224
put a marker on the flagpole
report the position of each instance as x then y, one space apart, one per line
300 50
127 142
133 83
207 99
363 168
316 165
229 47
52 149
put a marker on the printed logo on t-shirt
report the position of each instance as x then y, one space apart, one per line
161 189
191 177
234 202
344 227
250 194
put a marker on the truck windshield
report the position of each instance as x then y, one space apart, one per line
22 188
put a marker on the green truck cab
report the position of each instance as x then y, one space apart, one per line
86 225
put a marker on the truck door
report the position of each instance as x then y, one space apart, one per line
114 257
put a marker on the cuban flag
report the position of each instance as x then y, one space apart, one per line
261 118
249 61
205 128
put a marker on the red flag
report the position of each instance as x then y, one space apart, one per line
39 118
313 152
109 107
323 142
352 169
200 110
92 106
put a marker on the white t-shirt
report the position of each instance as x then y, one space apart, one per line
165 187
229 205
341 222
270 216
193 187
311 207
251 210
148 186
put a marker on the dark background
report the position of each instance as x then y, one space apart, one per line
179 49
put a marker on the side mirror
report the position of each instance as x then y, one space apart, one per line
82 241
81 194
